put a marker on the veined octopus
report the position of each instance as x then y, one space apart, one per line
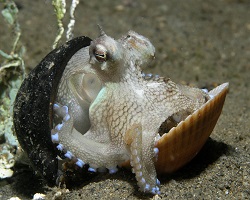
111 112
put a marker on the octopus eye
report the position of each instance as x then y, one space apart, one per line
128 36
100 55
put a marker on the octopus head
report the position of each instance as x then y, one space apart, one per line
105 53
111 58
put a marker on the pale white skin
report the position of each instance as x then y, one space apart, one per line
127 110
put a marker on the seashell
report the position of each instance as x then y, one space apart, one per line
35 108
191 133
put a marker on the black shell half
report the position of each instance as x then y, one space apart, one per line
33 108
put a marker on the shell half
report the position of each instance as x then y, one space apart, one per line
33 108
183 142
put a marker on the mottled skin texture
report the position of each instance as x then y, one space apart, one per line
125 117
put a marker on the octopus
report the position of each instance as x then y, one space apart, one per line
107 111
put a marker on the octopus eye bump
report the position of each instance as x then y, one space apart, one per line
100 53
128 36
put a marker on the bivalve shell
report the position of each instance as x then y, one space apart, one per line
183 142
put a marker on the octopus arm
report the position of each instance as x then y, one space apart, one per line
141 145
94 153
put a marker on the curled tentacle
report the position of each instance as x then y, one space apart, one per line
95 154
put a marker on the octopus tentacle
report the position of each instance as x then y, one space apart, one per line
70 139
142 156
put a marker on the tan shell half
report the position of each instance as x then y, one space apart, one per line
183 142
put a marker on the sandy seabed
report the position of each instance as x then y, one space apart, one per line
198 42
